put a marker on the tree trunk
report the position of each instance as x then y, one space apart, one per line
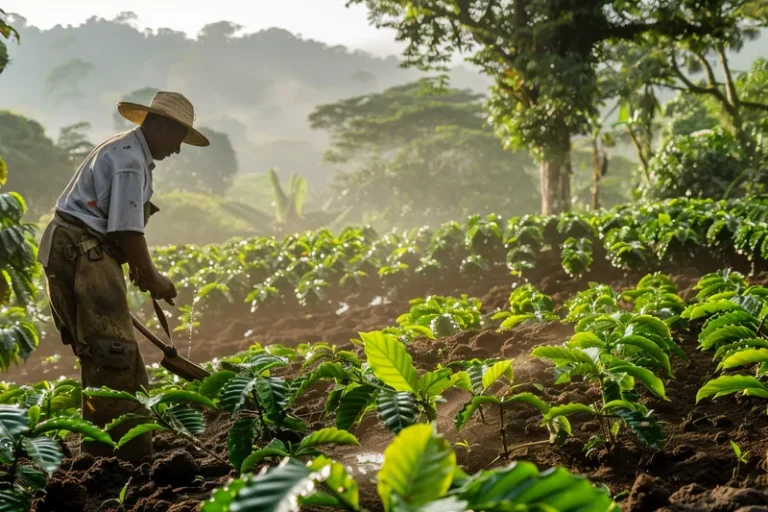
596 175
555 174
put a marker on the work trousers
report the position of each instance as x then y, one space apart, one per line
88 300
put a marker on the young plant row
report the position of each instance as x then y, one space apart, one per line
621 341
357 265
731 316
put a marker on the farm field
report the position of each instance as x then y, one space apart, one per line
595 343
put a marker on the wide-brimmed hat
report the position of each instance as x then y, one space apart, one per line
172 105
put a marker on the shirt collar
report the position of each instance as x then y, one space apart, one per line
144 147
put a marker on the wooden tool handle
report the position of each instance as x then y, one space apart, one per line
167 349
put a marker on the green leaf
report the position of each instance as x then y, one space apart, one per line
137 431
649 380
462 380
45 452
212 385
352 405
275 448
530 399
13 422
276 490
727 384
328 436
324 371
469 408
562 355
185 419
567 410
397 410
105 392
745 357
521 484
585 340
32 477
235 392
390 361
514 320
84 427
651 348
337 479
240 440
418 467
15 500
433 383
495 372
176 396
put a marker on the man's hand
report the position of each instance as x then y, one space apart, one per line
142 271
159 286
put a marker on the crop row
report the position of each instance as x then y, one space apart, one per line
320 269
623 343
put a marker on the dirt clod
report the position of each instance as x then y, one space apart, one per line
648 493
177 470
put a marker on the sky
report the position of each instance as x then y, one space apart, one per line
329 21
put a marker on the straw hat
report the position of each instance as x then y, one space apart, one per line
172 105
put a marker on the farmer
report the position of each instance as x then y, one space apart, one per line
97 226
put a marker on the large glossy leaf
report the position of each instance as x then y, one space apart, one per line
352 405
530 399
418 467
496 371
469 408
185 419
84 427
13 422
45 452
649 380
727 384
522 486
105 392
562 355
726 334
585 340
273 397
651 348
397 410
276 490
240 440
14 500
434 383
567 410
390 361
643 425
328 436
745 357
137 431
235 392
212 385
180 396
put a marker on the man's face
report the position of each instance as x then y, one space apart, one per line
170 137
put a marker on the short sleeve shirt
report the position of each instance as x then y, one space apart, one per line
109 190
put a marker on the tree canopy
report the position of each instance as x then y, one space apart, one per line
422 152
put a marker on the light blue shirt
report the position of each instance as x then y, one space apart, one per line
110 188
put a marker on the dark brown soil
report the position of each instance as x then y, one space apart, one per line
692 472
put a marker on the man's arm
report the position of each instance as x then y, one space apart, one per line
125 226
144 273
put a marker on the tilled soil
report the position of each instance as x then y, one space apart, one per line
694 470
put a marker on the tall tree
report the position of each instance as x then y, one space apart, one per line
40 169
421 153
542 55
732 24
74 142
